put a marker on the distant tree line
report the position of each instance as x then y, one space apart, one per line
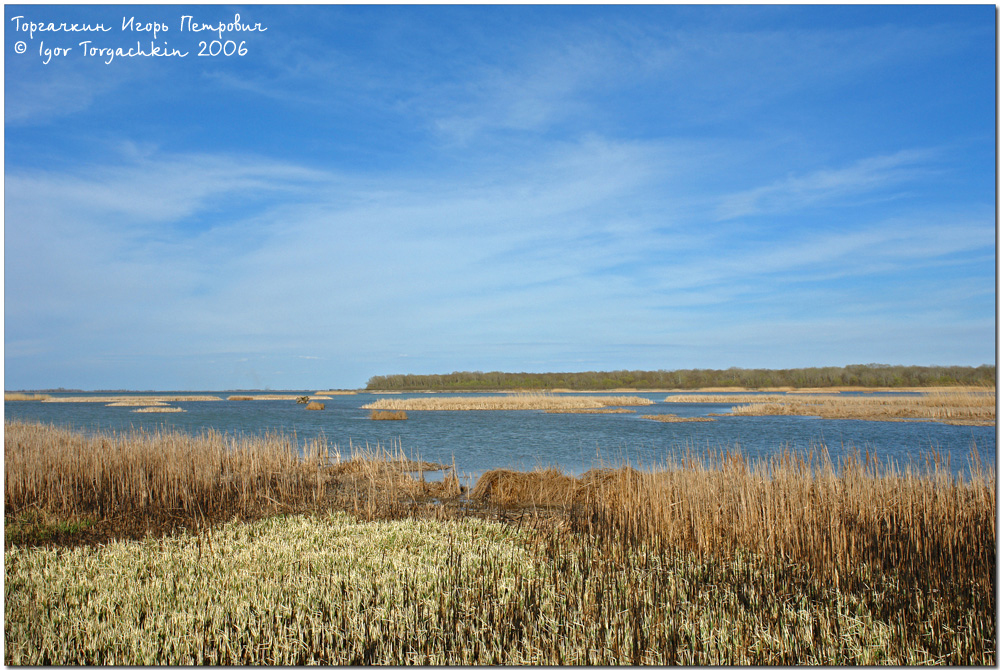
870 375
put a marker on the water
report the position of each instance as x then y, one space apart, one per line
482 440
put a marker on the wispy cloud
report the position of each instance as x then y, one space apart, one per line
838 187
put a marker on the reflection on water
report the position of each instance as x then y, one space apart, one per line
483 440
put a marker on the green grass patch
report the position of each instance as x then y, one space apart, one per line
35 527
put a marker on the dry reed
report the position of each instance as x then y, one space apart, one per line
673 418
157 474
611 410
265 396
520 401
726 398
960 408
707 560
158 410
10 396
385 415
509 488
131 398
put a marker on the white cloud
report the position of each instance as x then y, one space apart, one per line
828 186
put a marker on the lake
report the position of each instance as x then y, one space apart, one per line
482 440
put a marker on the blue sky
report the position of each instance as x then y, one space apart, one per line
422 189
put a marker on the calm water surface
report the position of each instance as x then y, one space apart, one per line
483 440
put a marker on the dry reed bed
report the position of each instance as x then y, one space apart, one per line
327 589
267 396
158 410
915 547
163 478
727 398
157 473
520 401
961 408
609 410
673 418
708 560
387 415
132 398
9 396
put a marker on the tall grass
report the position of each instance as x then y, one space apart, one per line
157 473
963 408
387 415
10 396
673 418
132 398
921 521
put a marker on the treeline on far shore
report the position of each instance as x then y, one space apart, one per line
870 376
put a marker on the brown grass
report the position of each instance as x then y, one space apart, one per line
509 488
920 521
673 418
519 401
726 398
156 475
612 410
385 415
132 398
707 559
960 408
10 396
159 410
264 396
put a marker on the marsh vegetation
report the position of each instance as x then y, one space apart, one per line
966 407
387 415
267 551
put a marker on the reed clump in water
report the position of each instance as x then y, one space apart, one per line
519 401
960 408
132 398
673 418
608 410
387 415
10 396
